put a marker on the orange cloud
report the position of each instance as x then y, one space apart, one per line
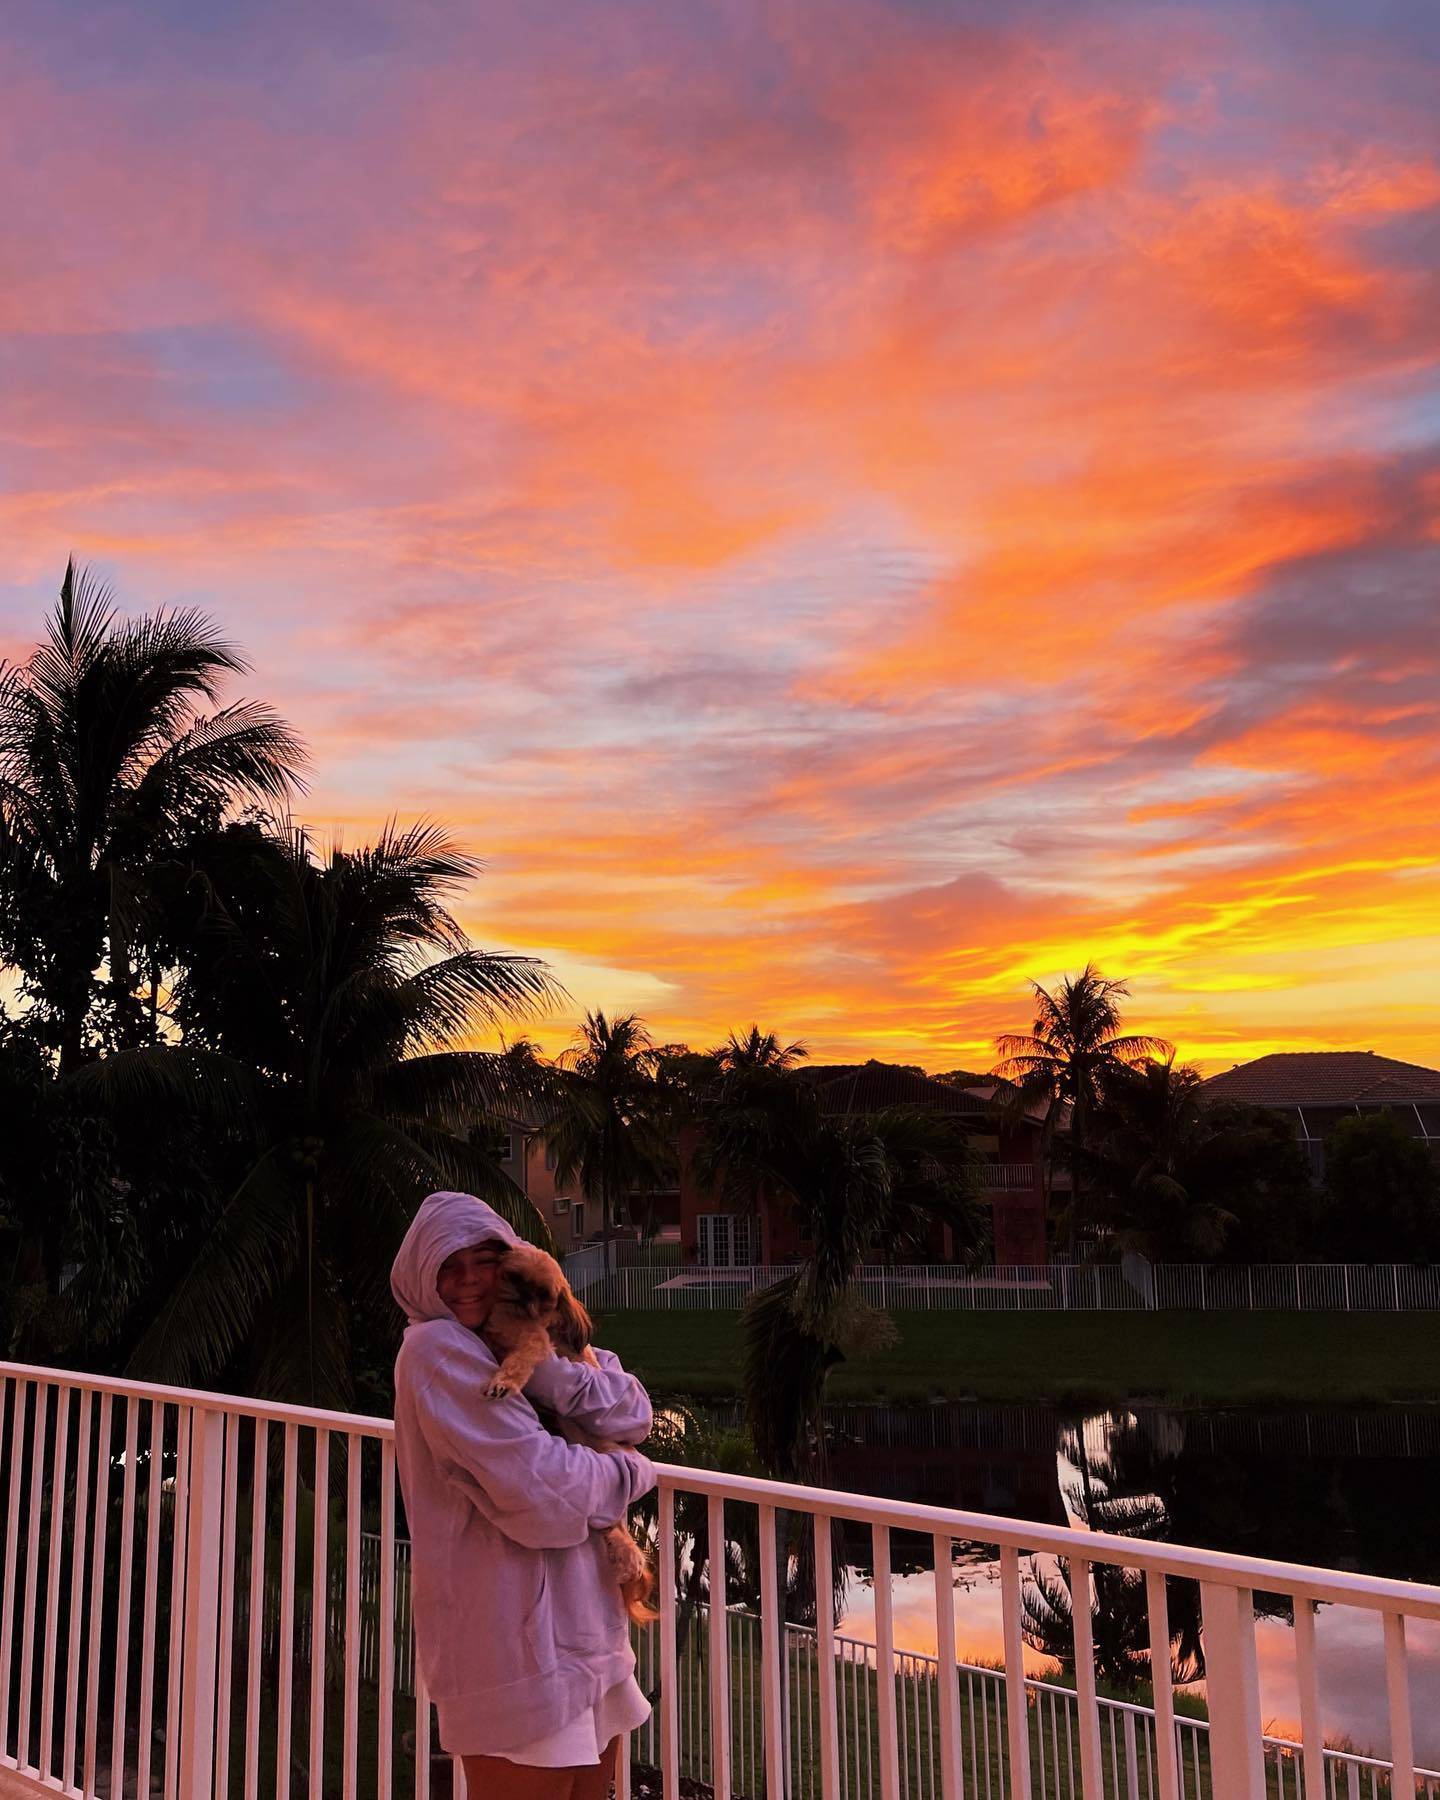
847 513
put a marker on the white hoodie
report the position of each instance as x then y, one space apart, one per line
519 1623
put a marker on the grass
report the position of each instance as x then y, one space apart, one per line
1309 1359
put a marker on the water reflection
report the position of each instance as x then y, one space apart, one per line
1345 1490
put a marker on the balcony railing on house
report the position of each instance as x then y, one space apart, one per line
207 1596
1021 1178
1137 1286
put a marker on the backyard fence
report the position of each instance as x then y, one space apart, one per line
1035 1287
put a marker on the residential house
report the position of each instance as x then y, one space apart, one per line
1012 1172
572 1215
1316 1089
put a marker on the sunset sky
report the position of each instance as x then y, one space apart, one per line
847 507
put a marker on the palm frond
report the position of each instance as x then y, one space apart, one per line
451 1087
75 634
216 1087
247 1253
281 1367
471 988
245 750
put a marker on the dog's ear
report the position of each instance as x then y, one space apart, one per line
572 1328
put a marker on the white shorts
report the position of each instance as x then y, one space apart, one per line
581 1740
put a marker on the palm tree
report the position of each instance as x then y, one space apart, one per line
1154 1146
322 1011
851 1183
1073 1051
606 1127
758 1050
107 767
746 1118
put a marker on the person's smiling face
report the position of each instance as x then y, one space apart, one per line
466 1282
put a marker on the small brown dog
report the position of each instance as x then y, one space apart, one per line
534 1315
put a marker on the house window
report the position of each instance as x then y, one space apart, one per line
507 1147
577 1219
550 1158
562 1203
728 1240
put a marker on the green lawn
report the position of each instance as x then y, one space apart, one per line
1086 1358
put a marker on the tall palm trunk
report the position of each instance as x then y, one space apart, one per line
1077 1147
72 1036
310 1279
604 1225
72 1005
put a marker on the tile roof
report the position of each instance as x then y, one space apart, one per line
874 1086
1323 1077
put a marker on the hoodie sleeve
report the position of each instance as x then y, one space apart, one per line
605 1402
537 1489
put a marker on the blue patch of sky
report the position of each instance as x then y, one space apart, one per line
218 368
1392 414
90 40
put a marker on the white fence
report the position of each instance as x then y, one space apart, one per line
189 1608
1036 1287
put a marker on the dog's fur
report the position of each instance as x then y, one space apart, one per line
534 1315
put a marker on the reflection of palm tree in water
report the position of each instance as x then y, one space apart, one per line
1116 1490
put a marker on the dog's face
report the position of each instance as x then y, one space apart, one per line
534 1285
531 1281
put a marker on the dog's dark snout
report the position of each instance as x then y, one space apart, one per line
532 1295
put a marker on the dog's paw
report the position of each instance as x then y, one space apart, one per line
498 1389
626 1557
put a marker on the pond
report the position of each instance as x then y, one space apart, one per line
1345 1490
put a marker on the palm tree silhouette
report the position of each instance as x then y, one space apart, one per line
321 1011
850 1182
107 768
605 1120
1073 1051
1156 1155
111 769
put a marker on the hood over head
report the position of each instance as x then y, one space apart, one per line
444 1224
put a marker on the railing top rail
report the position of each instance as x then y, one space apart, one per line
1335 1586
1338 1587
282 1412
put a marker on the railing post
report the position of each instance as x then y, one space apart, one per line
204 1509
1237 1768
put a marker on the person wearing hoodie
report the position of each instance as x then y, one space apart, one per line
520 1626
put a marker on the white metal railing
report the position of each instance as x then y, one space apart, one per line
1039 1287
189 1607
1128 1745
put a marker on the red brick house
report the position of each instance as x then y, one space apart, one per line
1011 1151
572 1214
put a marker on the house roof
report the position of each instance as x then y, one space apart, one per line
1324 1078
873 1086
